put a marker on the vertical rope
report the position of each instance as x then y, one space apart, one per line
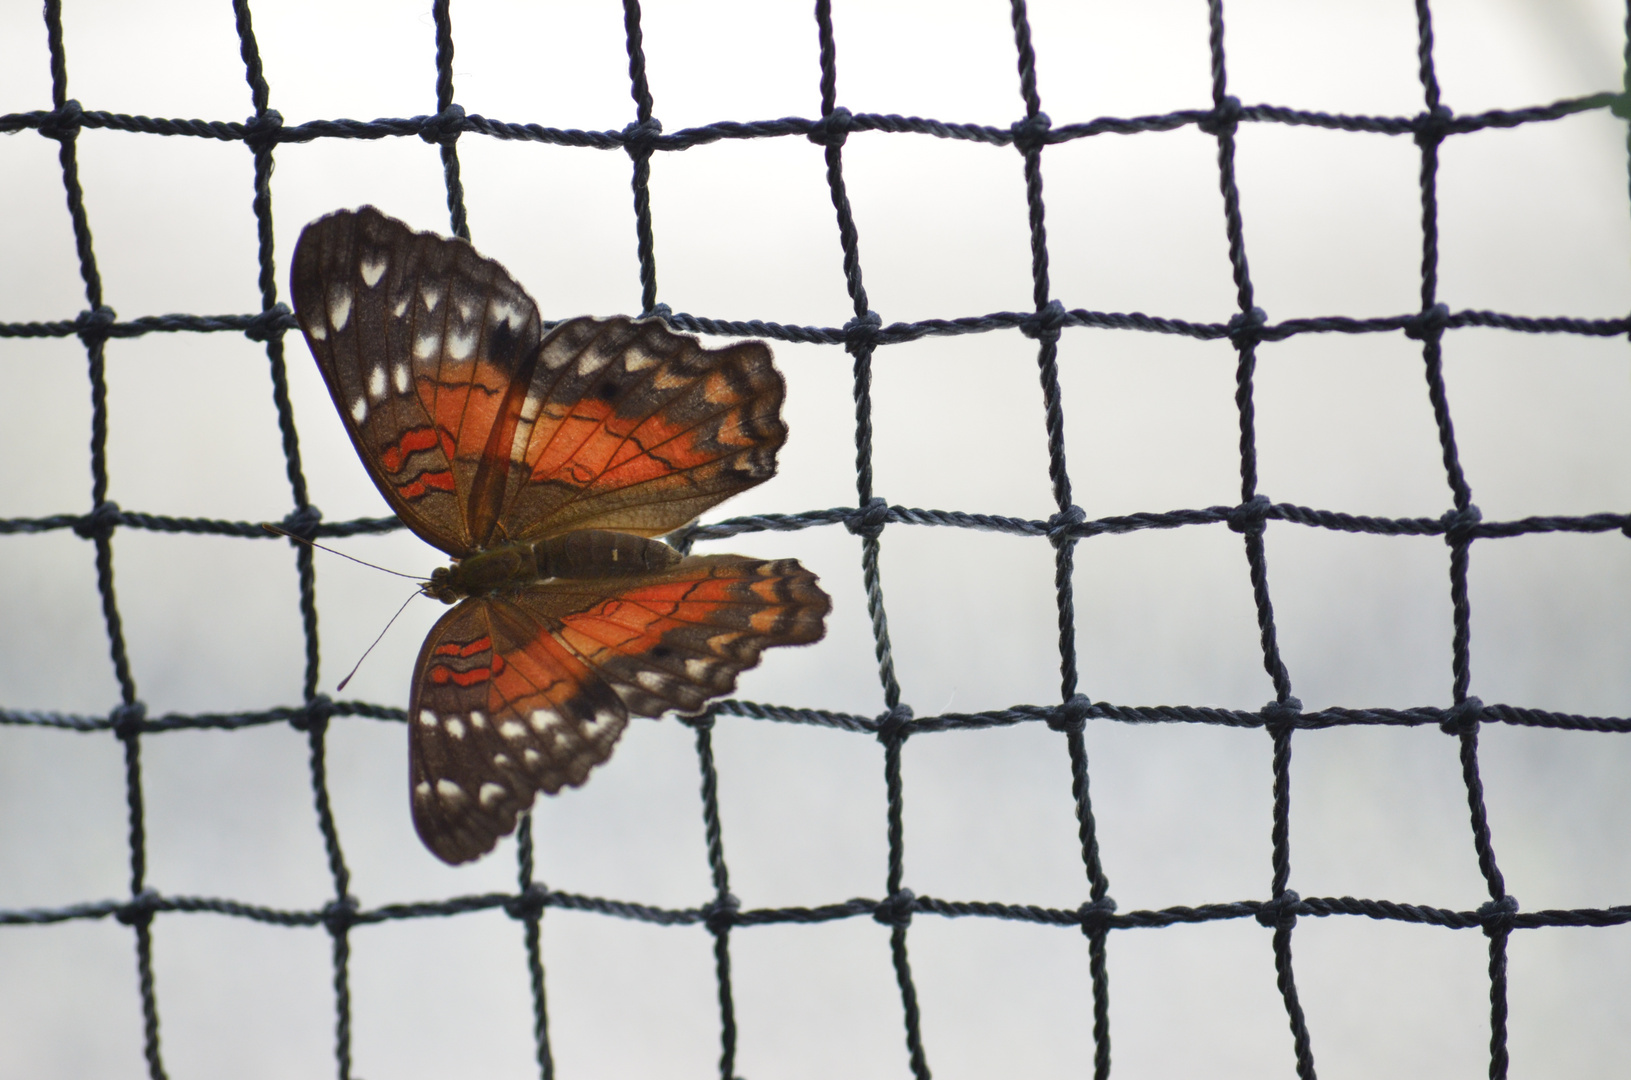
1430 132
639 146
721 912
1030 137
98 528
1250 521
448 117
868 523
532 913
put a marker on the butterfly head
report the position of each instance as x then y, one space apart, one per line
441 586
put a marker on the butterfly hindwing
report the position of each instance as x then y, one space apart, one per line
528 691
421 341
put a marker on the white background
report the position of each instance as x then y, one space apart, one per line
1534 222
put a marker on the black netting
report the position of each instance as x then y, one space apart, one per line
869 518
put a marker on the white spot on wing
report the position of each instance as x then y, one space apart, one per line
602 720
478 719
400 308
318 331
450 792
422 789
518 444
531 757
427 718
591 361
376 382
638 360
432 296
490 794
455 727
697 670
512 729
460 346
530 407
339 306
372 271
399 376
466 310
541 719
501 761
359 409
504 313
426 347
651 680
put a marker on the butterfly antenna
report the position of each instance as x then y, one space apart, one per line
377 640
278 530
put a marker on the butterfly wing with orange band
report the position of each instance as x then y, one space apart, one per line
478 430
527 692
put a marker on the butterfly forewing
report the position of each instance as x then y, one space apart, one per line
630 426
420 340
529 691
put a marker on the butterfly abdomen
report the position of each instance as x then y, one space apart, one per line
586 553
596 553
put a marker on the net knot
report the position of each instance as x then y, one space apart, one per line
314 715
1282 716
639 136
1498 916
1061 524
1432 126
720 915
660 311
263 130
139 912
1429 325
340 915
895 725
897 909
63 122
270 323
1459 524
868 521
127 720
444 127
1621 106
1248 517
100 522
1246 327
1463 717
1224 117
1031 133
702 721
96 325
1072 715
302 521
832 129
1096 914
530 904
861 332
1046 323
1281 912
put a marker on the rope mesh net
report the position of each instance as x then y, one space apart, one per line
868 519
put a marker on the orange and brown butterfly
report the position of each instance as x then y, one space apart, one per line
545 465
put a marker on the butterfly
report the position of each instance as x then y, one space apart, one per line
545 464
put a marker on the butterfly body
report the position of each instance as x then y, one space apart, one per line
584 553
545 465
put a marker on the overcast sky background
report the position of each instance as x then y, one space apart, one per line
1533 221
